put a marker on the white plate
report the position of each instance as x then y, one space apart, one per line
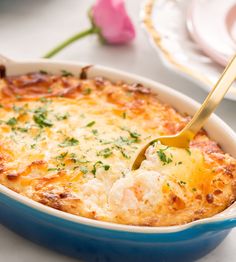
165 23
209 23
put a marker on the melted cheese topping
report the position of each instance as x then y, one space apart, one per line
68 143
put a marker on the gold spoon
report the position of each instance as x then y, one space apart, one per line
214 98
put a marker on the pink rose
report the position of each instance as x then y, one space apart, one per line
111 18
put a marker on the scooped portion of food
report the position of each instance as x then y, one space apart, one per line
172 186
68 143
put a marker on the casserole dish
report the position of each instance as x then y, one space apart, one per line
92 240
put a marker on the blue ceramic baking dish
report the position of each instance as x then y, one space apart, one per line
98 241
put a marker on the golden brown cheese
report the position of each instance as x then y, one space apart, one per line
68 143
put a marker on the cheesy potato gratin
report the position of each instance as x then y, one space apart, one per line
68 142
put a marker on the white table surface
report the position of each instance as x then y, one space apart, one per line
29 28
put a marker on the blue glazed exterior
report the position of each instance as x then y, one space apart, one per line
100 244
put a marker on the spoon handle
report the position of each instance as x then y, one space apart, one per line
213 99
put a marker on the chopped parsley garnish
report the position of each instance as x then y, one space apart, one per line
106 167
124 115
125 140
179 163
99 164
163 157
188 151
12 121
95 131
182 183
122 150
87 91
62 116
62 156
69 141
33 146
135 137
134 134
40 118
22 129
38 136
66 73
73 158
53 169
90 124
105 152
84 169
17 108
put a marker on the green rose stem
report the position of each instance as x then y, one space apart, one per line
69 41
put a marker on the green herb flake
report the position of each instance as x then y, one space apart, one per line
17 108
106 167
105 152
22 129
62 156
62 116
53 169
90 124
66 73
12 121
94 170
134 135
40 118
95 131
74 159
163 157
99 164
178 163
124 115
122 150
182 183
87 91
33 146
69 141
188 151
84 169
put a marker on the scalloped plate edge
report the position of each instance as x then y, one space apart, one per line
166 57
